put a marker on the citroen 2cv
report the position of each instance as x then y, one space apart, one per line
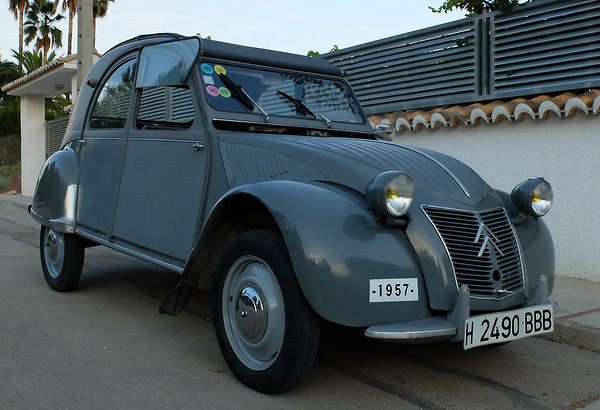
256 174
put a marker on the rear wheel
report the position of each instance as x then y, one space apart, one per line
267 332
62 258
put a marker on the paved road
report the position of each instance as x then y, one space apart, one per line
105 346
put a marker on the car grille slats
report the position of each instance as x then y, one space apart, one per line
482 248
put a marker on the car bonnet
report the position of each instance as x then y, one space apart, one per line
355 162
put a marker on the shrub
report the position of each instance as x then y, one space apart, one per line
10 150
10 123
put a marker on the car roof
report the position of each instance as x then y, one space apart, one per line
235 52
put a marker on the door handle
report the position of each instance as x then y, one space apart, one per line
197 146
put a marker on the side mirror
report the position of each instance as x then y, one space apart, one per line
383 131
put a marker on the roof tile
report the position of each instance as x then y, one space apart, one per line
540 107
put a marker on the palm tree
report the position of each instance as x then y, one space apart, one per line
31 61
9 71
71 6
100 9
18 8
40 26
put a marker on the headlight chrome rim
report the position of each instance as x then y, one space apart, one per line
391 193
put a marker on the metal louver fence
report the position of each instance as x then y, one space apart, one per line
55 131
541 47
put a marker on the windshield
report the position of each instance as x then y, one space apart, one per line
283 94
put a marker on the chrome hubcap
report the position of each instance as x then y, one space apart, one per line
54 252
52 245
253 312
251 315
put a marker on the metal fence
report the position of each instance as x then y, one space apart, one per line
55 131
544 46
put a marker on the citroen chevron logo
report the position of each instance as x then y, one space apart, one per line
484 234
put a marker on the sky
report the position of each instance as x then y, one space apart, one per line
292 26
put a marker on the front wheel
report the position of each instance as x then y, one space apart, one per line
266 330
62 258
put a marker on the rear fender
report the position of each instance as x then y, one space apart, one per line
55 197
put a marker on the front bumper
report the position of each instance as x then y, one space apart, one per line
437 329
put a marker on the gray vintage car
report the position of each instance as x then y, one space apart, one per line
256 174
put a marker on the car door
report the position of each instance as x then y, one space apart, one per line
163 177
162 181
102 148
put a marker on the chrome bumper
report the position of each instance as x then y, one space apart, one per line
437 329
433 329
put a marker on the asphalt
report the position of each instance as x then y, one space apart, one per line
577 319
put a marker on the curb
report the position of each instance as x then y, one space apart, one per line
574 334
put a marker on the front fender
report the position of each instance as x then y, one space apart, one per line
55 197
538 252
336 247
536 243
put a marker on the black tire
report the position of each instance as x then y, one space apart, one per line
62 258
267 332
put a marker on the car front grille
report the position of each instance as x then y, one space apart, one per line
482 248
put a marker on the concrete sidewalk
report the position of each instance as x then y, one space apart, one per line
577 320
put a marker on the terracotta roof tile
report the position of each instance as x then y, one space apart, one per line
39 71
540 107
56 63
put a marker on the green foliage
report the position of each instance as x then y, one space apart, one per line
10 123
476 7
100 8
40 26
32 61
9 170
57 107
10 157
6 174
10 150
9 105
9 72
312 53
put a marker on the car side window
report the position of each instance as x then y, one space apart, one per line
165 107
112 105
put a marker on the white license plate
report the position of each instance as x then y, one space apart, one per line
506 326
393 290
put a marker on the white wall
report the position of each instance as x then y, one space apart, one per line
33 141
565 151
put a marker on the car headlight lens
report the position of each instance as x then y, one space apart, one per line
533 197
391 193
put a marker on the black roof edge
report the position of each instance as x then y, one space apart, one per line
157 36
253 55
261 56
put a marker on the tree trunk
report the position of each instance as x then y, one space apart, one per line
21 16
70 35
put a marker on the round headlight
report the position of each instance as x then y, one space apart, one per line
391 193
533 197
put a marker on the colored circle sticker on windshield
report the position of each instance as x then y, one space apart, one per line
224 92
219 69
207 68
212 90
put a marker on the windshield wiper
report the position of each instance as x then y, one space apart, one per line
242 96
302 108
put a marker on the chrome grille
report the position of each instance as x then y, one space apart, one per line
482 248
